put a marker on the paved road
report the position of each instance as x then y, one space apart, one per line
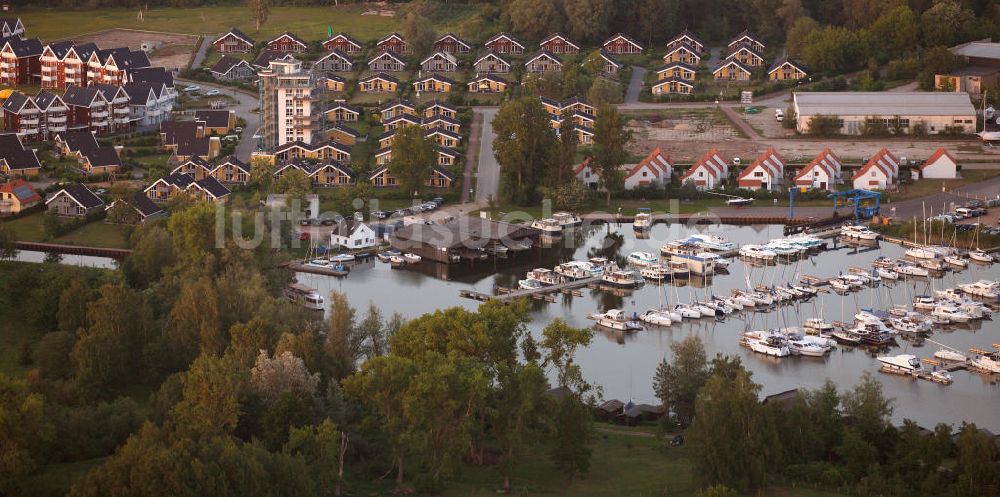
247 103
488 174
907 209
202 51
635 84
472 157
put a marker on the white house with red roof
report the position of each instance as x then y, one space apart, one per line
655 168
708 172
880 172
940 165
586 174
822 173
767 172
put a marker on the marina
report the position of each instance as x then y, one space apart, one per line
615 356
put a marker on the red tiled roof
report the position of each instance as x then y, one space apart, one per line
937 155
22 190
770 161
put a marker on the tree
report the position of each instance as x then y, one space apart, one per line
560 342
371 333
110 350
717 491
937 60
604 91
152 253
610 138
945 23
524 148
26 433
522 407
790 12
571 196
419 31
323 448
562 172
534 19
894 33
212 388
412 157
72 313
571 435
52 225
861 13
52 354
284 373
795 38
261 170
341 344
588 20
193 234
977 465
195 324
8 244
295 184
833 50
867 408
677 384
731 441
260 10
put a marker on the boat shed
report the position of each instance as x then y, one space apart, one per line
468 238
937 111
785 400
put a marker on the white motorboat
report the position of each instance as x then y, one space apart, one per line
717 260
988 363
950 355
956 260
858 232
805 241
642 259
924 302
757 253
883 261
806 290
941 377
903 363
599 265
711 242
921 253
545 276
980 256
840 285
529 284
304 296
983 288
817 325
682 250
800 346
619 278
974 309
952 313
868 318
687 312
411 257
548 226
907 325
704 310
761 298
734 303
655 272
656 317
719 306
769 344
616 319
567 219
745 300
932 264
854 280
643 220
574 270
910 270
887 274
341 258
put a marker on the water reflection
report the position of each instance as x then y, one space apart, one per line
624 364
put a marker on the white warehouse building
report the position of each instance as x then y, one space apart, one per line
937 111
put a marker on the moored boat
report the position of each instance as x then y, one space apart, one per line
304 296
859 232
903 363
619 278
656 317
642 259
616 319
643 220
548 226
711 242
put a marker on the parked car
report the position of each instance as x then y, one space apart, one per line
438 200
779 115
212 93
964 212
238 129
192 88
380 214
974 203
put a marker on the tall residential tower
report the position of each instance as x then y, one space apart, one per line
286 104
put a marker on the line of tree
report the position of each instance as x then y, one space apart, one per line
841 440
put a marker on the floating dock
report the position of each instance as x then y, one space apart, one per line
506 295
306 268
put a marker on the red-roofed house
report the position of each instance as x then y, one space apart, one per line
17 195
767 172
708 172
655 168
879 173
823 172
589 176
622 44
940 165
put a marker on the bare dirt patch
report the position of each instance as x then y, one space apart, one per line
173 51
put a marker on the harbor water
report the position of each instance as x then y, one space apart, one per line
623 365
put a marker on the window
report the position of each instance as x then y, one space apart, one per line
758 174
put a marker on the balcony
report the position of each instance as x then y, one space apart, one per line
31 121
121 111
71 71
122 120
99 114
92 74
120 100
55 119
46 78
57 129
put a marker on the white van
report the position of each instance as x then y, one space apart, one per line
779 115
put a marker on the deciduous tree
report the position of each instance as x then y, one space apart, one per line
677 383
610 138
412 157
524 147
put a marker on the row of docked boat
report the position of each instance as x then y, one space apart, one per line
784 342
599 268
719 307
785 249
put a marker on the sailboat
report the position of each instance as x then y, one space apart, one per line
978 254
918 251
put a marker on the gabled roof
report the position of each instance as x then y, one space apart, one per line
306 167
79 140
345 106
331 77
672 65
334 145
825 160
436 77
608 57
346 37
624 37
410 118
746 34
584 165
237 33
657 161
380 170
337 53
24 48
682 46
383 76
291 36
226 63
265 57
212 186
684 36
102 157
437 103
389 54
730 61
15 155
444 172
153 75
443 132
80 194
712 162
22 190
110 92
488 77
936 156
346 130
391 36
47 99
335 165
232 161
543 53
214 118
491 53
446 151
502 35
397 103
883 161
675 80
770 161
195 161
560 36
17 101
786 61
441 117
447 56
140 93
180 180
144 205
752 51
455 38
82 96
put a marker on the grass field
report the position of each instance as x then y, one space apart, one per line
309 23
94 234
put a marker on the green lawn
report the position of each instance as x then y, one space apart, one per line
95 234
310 23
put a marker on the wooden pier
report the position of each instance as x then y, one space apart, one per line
542 293
306 268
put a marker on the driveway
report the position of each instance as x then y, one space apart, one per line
488 173
246 104
202 51
635 84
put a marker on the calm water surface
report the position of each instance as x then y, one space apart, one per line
624 365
